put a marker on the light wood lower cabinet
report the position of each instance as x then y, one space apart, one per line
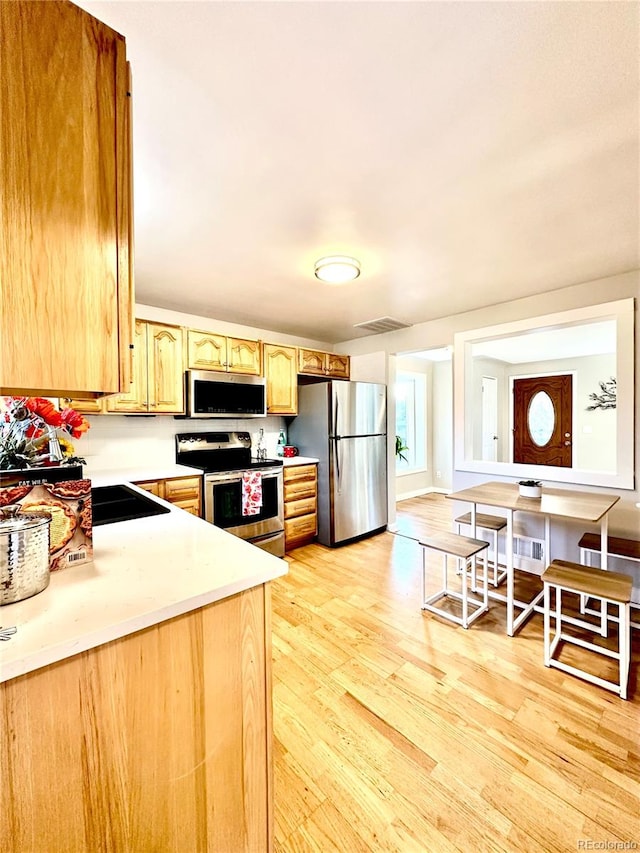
157 741
300 505
185 492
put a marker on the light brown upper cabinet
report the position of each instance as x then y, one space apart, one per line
158 386
209 351
280 369
66 263
316 363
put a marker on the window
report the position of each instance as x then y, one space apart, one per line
411 418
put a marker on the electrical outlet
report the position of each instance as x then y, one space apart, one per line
438 475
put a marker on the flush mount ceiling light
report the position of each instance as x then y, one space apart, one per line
337 269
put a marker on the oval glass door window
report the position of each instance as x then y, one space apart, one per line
541 418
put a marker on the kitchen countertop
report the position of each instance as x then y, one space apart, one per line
299 460
137 473
143 572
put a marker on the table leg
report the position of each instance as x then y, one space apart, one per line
509 560
604 528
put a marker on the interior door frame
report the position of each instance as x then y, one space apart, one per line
542 375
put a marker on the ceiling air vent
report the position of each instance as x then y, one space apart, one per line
382 324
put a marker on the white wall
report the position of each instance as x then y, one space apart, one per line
416 482
625 516
442 425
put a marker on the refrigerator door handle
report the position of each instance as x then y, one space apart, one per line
338 469
335 415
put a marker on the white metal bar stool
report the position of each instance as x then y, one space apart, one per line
493 524
608 588
466 549
623 549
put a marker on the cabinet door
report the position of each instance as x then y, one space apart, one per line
65 227
155 487
165 367
244 356
311 361
280 368
135 400
338 365
206 351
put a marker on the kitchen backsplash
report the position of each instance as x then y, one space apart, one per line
116 441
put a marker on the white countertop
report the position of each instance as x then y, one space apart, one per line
137 474
143 572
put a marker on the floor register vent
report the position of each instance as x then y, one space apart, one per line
382 324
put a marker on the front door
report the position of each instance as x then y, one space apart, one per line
542 422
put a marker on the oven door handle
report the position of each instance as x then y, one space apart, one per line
216 480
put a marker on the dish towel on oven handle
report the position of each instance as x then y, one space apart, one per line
251 493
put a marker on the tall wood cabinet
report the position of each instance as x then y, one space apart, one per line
65 209
157 385
280 370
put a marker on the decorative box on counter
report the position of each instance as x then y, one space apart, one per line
67 501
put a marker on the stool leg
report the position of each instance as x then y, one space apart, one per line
459 560
495 558
624 640
583 597
445 585
547 624
465 605
485 596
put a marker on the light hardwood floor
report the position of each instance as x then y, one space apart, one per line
398 731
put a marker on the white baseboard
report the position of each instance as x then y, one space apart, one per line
419 492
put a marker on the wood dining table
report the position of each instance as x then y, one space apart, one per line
592 507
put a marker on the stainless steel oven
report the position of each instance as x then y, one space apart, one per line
223 507
225 457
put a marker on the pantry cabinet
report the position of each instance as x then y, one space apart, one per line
158 386
300 505
318 363
65 203
185 492
280 370
210 351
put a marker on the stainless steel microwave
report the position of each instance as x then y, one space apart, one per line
210 394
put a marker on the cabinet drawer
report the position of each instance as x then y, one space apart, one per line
185 488
297 491
292 509
299 472
300 528
192 505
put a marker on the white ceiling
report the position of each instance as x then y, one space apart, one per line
551 344
465 153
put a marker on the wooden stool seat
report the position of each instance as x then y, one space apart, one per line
464 549
608 588
628 549
454 544
617 546
486 522
613 586
494 524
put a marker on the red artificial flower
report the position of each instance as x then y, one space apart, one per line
44 409
33 432
73 422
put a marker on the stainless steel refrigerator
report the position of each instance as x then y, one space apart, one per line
344 424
